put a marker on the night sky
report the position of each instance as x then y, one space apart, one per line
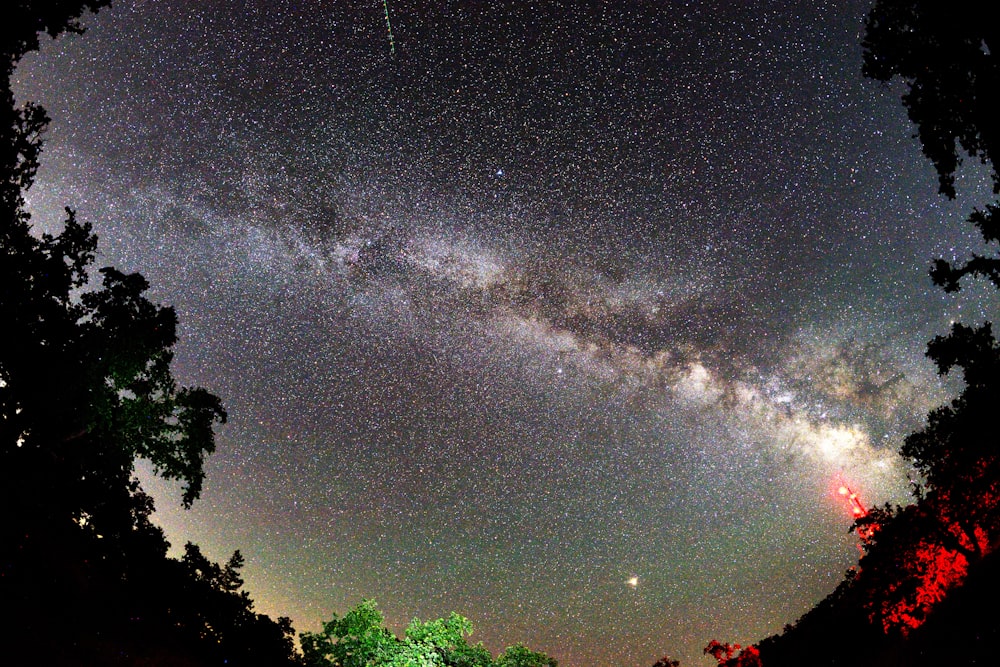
535 299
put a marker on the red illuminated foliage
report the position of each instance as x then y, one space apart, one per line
923 551
912 562
936 570
731 655
956 451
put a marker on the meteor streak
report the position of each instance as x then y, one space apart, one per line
388 27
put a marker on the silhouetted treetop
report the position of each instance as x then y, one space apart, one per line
957 451
667 661
917 557
86 388
949 276
85 366
945 52
25 20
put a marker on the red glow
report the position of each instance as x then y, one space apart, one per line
858 510
853 501
937 570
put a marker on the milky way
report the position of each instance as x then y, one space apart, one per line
570 318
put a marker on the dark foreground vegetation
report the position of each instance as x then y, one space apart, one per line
926 589
86 389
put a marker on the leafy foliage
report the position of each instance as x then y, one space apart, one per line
946 55
520 656
666 661
85 389
85 367
24 20
949 277
358 639
733 655
902 604
957 451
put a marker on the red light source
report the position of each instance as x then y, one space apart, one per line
858 510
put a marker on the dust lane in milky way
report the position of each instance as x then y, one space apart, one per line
571 318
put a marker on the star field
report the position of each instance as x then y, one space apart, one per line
569 317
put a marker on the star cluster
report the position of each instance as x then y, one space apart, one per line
569 317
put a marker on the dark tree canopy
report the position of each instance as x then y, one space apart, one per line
25 20
906 600
946 54
958 452
85 380
926 586
86 389
917 556
667 661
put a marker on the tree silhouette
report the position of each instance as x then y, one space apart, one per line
889 610
949 276
85 381
732 655
24 21
86 389
957 451
946 56
945 52
837 631
666 661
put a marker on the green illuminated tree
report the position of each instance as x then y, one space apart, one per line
521 656
358 639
